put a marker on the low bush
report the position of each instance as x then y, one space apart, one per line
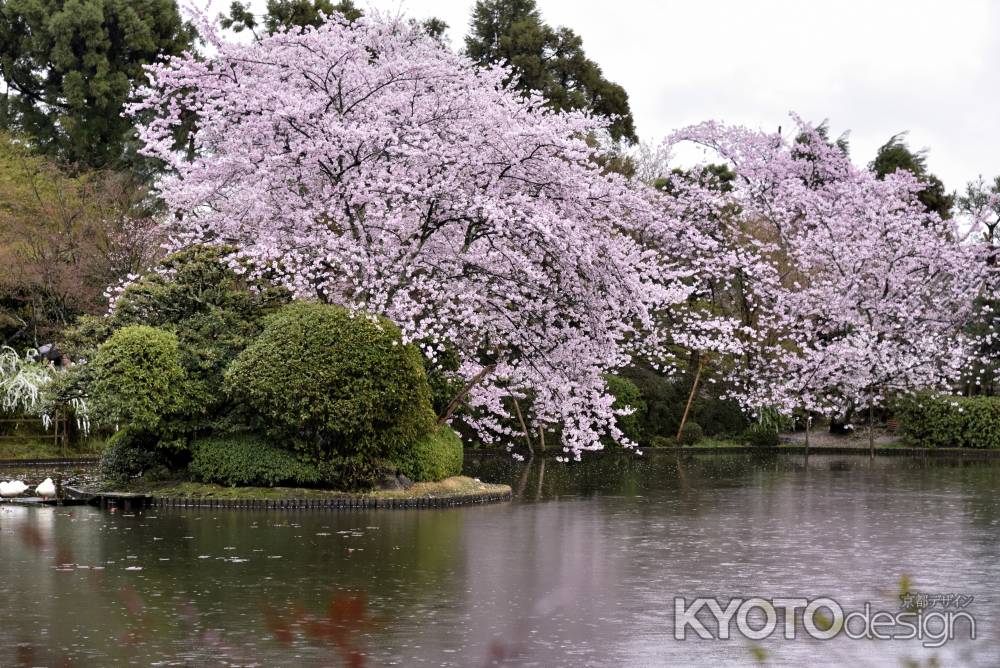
692 433
249 460
129 454
944 421
761 436
355 473
436 456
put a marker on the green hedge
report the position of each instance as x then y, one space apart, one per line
436 456
249 460
943 421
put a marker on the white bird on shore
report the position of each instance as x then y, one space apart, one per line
47 489
12 488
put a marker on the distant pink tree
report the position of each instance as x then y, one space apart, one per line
843 287
365 164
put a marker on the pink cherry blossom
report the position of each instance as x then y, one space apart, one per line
367 165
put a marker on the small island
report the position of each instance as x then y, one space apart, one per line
215 387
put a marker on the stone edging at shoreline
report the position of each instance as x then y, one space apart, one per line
55 461
347 503
961 453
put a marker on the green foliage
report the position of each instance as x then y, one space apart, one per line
354 473
334 384
715 176
546 59
137 378
627 395
895 154
692 433
665 399
771 419
445 384
286 14
213 312
70 65
662 442
248 460
436 456
129 454
943 421
761 435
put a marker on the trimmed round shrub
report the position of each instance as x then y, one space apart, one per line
692 433
761 436
436 456
661 442
137 378
248 460
129 454
333 384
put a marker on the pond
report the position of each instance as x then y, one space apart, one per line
582 569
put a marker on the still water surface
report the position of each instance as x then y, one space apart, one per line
581 570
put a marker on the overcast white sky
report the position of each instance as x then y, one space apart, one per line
874 68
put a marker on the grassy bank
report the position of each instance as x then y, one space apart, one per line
46 448
455 486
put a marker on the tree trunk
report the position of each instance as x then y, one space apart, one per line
871 429
694 390
456 402
524 428
808 423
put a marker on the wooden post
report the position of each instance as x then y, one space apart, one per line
694 390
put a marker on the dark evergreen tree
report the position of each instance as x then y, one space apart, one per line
549 60
895 154
68 67
284 14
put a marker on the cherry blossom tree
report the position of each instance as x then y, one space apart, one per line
979 208
367 165
842 287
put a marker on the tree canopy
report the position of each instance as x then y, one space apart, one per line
546 59
423 188
69 66
895 154
285 14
